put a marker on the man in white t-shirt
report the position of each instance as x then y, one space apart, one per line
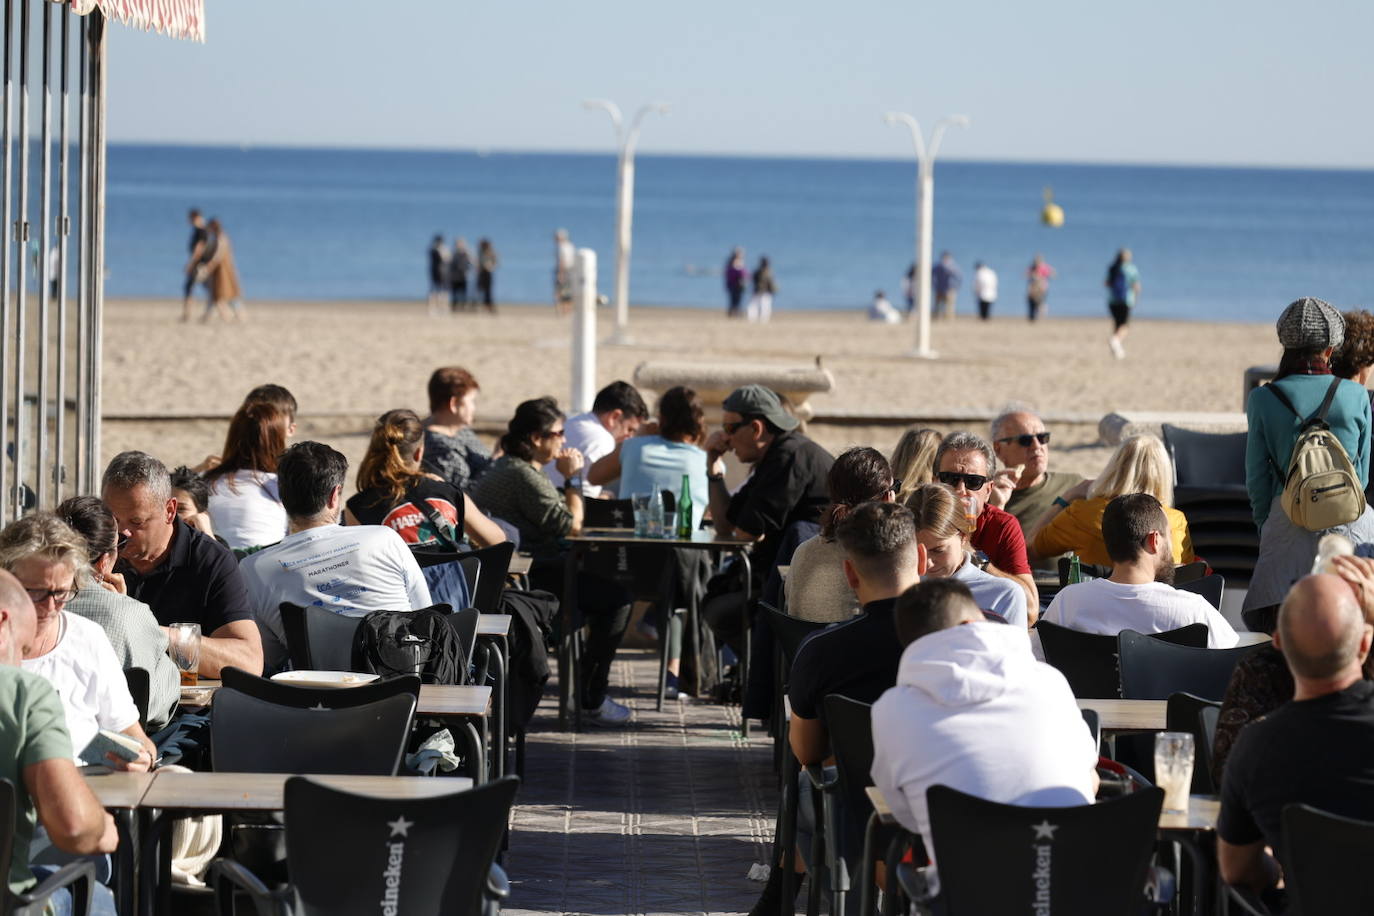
615 416
350 570
1139 594
973 710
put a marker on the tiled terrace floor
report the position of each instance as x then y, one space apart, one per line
665 816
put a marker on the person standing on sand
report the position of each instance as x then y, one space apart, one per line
735 276
487 262
1038 277
458 267
199 236
563 255
761 303
1123 286
984 289
945 280
222 276
438 275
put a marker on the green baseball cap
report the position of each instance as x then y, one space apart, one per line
758 401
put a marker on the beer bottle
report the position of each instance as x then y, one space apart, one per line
1075 570
684 511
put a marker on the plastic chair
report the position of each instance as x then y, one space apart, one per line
986 867
1205 459
1325 861
1189 572
1088 661
464 624
413 856
846 806
301 697
1184 714
140 687
1152 669
1210 587
318 639
495 565
78 876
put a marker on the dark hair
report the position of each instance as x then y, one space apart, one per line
1294 358
532 418
857 476
623 397
680 415
306 474
194 213
93 520
1127 521
183 478
931 606
257 435
874 535
449 382
386 466
130 469
1357 351
275 395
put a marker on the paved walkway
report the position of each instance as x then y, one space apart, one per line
665 816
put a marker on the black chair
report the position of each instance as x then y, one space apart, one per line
1210 587
78 876
846 806
1205 459
1152 669
318 639
411 856
1325 857
301 697
1088 661
140 686
985 866
1189 572
495 567
464 624
1184 714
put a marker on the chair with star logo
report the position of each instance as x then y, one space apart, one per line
361 854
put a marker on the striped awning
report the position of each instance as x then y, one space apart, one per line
177 18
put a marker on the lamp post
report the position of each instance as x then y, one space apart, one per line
624 209
925 214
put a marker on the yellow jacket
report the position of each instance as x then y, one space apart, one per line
1079 528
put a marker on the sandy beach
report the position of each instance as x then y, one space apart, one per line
169 387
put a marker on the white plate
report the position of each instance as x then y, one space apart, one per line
324 678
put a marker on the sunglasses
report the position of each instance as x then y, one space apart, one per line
970 481
552 434
58 595
731 427
1025 439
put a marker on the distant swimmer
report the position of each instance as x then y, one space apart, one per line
1038 277
1123 286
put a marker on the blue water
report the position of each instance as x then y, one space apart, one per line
1211 243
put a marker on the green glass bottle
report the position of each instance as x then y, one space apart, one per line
1075 570
684 511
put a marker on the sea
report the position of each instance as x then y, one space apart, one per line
1211 243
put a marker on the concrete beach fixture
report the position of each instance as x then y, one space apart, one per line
713 382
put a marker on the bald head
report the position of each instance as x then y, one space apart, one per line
17 620
1322 630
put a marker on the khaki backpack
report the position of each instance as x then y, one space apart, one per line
1322 489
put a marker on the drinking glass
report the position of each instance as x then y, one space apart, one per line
1174 769
970 507
656 520
641 505
184 645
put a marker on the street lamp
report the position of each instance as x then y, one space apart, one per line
624 197
925 208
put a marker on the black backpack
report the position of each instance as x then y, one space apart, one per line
392 643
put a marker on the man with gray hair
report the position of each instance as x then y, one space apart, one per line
965 463
1317 749
1025 486
182 574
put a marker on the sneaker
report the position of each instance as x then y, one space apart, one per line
609 714
647 630
671 690
1117 350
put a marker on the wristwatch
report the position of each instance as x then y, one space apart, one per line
573 482
1061 502
981 560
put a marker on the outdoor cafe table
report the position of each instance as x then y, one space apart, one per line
702 539
121 793
174 795
1128 715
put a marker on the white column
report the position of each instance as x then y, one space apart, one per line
584 331
623 233
925 210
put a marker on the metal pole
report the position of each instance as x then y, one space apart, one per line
925 217
45 240
625 177
85 476
6 302
21 235
63 230
94 238
584 331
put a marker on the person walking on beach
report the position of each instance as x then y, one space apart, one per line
984 288
458 266
1038 277
199 236
945 280
1123 286
736 274
221 276
761 303
438 275
562 272
487 262
909 288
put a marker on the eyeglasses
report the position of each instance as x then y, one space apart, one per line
1025 439
731 427
954 478
58 595
552 434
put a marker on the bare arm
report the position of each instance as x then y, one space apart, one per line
481 530
574 498
1250 865
237 643
68 809
606 469
810 742
144 761
1027 583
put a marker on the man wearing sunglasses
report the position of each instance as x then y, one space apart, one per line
965 462
1020 440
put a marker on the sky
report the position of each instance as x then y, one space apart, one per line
1265 82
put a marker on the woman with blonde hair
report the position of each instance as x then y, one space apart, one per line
394 491
944 531
245 505
1074 521
913 460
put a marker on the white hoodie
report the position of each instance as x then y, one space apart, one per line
973 710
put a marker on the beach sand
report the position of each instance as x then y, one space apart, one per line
170 387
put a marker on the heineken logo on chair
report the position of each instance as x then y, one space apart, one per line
395 856
1041 844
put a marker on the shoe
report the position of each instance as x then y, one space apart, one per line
670 688
770 901
647 630
1117 350
609 714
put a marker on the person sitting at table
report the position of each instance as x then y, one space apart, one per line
616 413
515 489
1025 486
1312 750
394 490
36 756
816 586
913 459
1074 521
452 449
72 652
192 494
973 710
942 529
132 629
183 575
349 570
245 507
1139 595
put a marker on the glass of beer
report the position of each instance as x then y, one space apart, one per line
1174 769
184 646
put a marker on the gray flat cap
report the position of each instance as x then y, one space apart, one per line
758 401
1310 324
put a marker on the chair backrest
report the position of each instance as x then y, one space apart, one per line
319 639
1184 714
250 735
1324 860
641 569
464 624
495 566
1083 859
1088 661
1205 459
1152 669
1189 572
789 631
850 724
1210 587
414 857
140 686
301 697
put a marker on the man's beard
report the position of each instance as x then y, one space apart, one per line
1165 571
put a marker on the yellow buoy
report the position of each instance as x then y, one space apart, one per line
1051 214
